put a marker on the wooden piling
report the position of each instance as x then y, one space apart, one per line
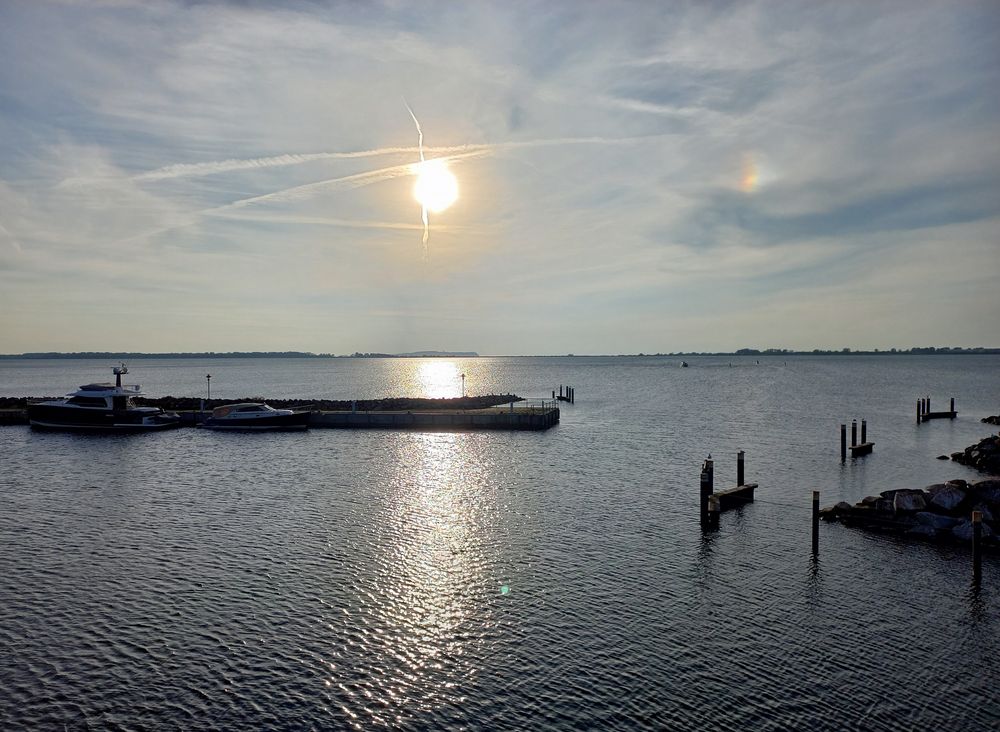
952 407
707 487
864 432
977 552
739 468
815 523
854 432
843 442
714 508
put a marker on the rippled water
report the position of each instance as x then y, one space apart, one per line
502 581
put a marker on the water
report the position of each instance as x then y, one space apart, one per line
501 581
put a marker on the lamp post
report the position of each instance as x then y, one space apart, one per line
208 378
463 386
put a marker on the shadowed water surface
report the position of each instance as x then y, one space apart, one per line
558 580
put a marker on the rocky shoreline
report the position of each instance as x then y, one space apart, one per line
939 512
984 455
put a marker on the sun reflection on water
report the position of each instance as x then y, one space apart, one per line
439 379
429 610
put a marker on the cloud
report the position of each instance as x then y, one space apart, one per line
613 167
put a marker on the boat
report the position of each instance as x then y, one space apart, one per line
101 408
684 364
256 416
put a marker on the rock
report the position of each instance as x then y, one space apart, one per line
957 455
891 493
884 505
922 531
909 500
987 490
943 457
869 500
963 530
958 482
935 520
991 420
843 507
946 497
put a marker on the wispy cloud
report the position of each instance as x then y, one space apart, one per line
613 167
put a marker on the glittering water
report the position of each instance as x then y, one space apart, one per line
501 581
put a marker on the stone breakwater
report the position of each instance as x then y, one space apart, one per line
389 404
939 512
984 455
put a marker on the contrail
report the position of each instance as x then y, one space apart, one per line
423 206
14 242
356 180
185 170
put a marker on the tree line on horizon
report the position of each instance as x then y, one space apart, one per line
122 355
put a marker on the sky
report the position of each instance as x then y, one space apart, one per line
632 176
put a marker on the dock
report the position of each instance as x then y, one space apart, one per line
534 415
924 413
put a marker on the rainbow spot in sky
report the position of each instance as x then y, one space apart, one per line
749 174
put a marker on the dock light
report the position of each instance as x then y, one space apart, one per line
463 386
208 378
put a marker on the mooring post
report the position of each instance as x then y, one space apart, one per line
977 554
739 468
560 390
952 407
707 488
843 442
714 507
854 432
864 432
815 517
928 405
918 411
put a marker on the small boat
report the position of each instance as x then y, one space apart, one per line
101 408
256 416
684 364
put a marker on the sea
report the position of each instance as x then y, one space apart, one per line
556 580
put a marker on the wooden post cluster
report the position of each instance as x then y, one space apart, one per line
857 448
924 413
568 396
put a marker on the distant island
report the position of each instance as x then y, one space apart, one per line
127 356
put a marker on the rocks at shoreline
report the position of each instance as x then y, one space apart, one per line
985 455
940 512
995 419
392 404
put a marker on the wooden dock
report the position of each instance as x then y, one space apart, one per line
924 413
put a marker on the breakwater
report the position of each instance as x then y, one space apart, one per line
939 512
485 412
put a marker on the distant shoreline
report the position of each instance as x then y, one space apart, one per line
742 353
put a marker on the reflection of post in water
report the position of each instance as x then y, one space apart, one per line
977 550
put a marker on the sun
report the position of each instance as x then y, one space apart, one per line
436 187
